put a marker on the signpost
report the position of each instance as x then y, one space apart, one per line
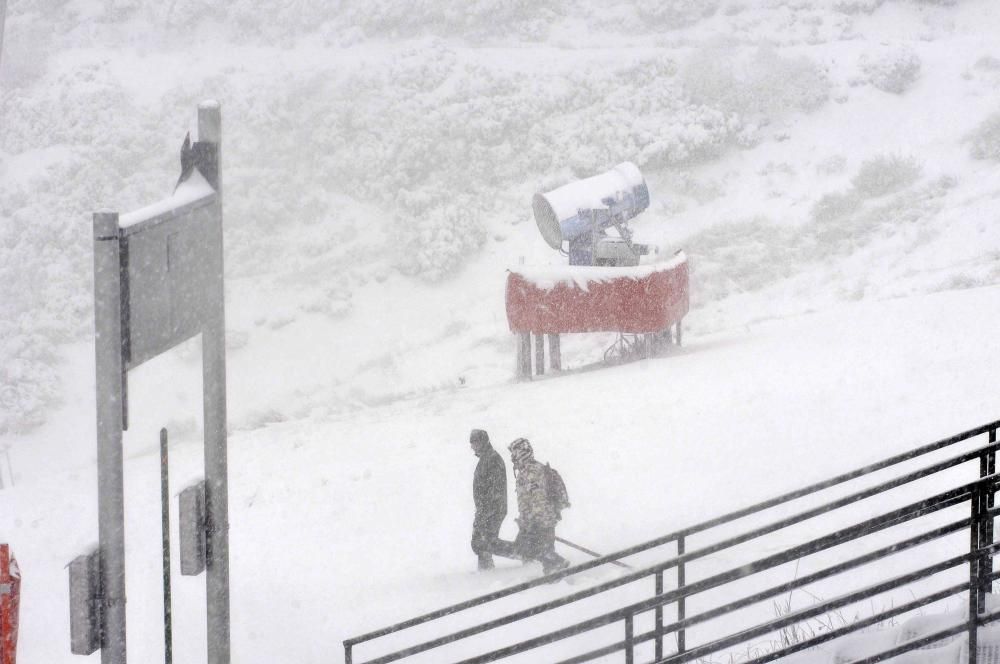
158 281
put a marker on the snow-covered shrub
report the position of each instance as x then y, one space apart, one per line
893 71
857 6
884 174
675 14
29 382
835 205
985 139
988 63
478 20
762 82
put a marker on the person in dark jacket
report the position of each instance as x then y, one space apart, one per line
489 491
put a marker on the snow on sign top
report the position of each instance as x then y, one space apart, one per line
187 194
548 277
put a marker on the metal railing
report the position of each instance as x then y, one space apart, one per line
979 523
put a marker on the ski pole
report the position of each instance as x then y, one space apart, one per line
591 553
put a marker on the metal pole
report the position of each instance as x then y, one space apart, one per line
680 601
110 484
216 463
590 553
168 630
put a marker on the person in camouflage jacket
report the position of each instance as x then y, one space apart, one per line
537 517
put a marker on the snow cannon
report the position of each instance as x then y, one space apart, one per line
579 214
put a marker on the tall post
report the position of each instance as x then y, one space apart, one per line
216 463
110 489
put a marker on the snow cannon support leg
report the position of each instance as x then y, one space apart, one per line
539 354
524 356
555 356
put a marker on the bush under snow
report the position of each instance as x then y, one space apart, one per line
985 139
884 174
893 71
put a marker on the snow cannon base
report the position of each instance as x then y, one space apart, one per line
643 302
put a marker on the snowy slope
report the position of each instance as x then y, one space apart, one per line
345 524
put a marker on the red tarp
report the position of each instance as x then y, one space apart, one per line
10 592
639 300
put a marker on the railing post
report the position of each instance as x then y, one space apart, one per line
348 655
659 617
629 629
974 574
991 468
680 600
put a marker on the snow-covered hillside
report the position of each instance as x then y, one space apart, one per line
380 161
832 168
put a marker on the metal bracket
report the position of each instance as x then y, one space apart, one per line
86 599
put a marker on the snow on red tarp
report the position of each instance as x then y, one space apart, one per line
635 300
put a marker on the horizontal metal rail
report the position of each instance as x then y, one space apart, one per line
674 536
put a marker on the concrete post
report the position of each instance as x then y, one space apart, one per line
216 461
110 491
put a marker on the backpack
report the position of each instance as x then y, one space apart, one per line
556 489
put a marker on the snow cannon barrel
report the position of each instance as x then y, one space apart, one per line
597 202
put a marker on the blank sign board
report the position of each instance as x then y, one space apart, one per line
170 267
